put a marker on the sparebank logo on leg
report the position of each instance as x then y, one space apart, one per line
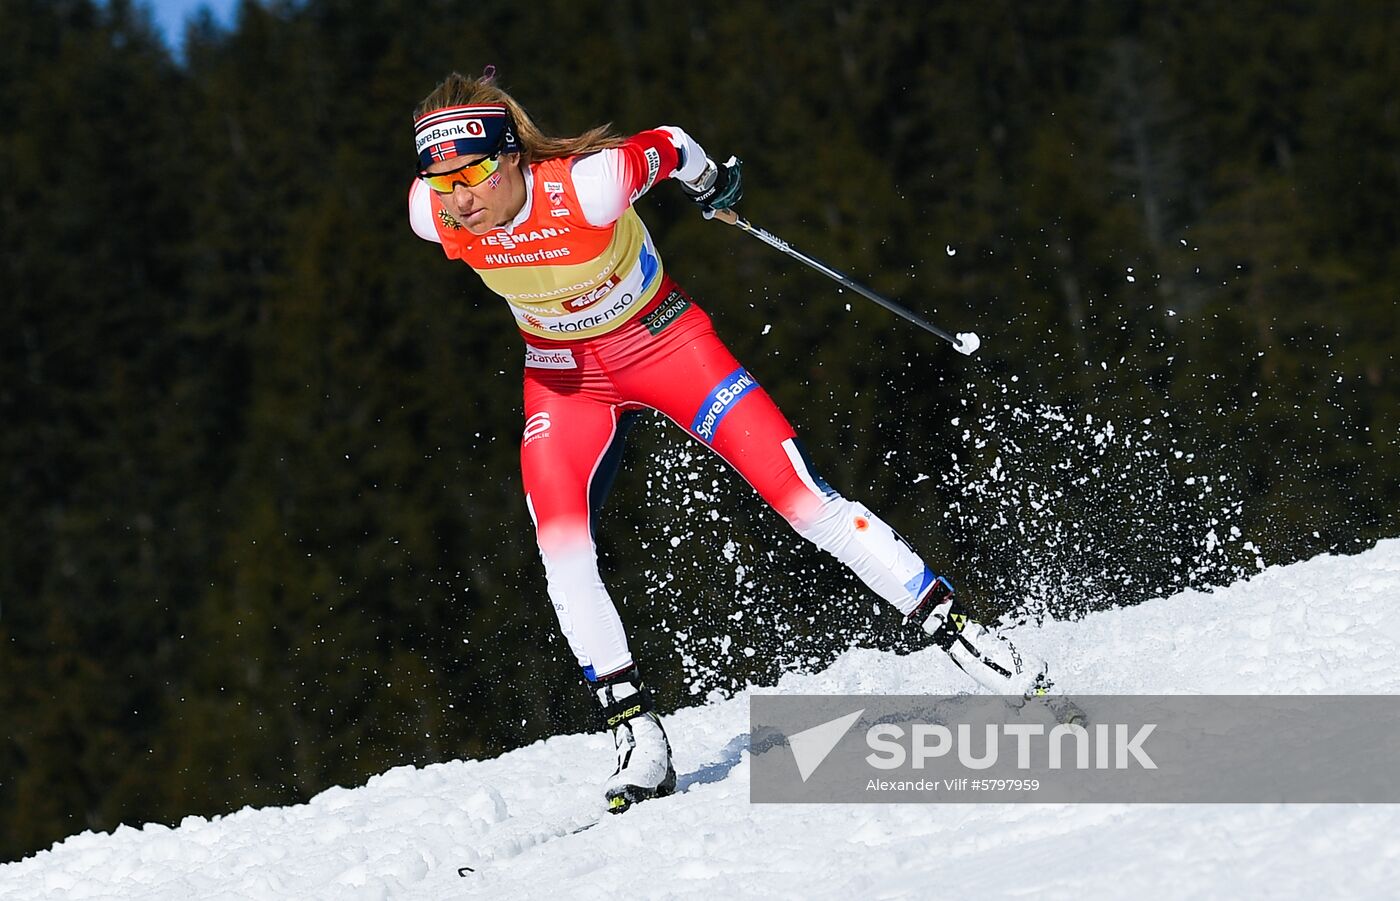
720 401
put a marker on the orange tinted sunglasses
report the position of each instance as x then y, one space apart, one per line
470 175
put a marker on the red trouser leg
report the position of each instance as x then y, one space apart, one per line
683 370
568 435
687 373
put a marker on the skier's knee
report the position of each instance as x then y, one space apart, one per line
824 525
840 523
875 552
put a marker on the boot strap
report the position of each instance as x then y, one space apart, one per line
949 630
631 707
619 712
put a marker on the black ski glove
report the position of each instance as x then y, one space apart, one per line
717 188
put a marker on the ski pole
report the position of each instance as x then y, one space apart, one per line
964 343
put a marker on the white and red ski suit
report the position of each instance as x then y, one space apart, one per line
608 332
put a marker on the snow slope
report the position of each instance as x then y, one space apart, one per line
1328 625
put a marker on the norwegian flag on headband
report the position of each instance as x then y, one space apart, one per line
440 152
461 130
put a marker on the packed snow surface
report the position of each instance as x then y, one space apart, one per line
1330 625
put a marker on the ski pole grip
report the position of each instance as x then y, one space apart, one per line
728 216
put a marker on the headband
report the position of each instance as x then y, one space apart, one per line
463 131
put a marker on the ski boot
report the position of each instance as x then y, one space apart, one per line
1060 706
987 656
644 768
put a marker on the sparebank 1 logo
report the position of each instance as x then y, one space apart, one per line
811 746
719 402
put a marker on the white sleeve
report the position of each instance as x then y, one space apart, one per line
607 182
598 182
691 152
420 212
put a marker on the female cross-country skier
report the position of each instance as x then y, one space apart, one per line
549 225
